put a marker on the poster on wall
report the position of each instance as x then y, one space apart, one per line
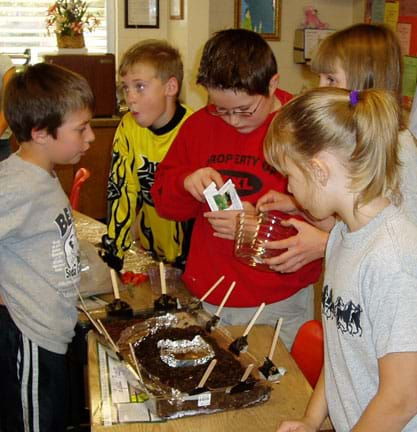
261 16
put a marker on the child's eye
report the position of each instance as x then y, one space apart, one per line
139 87
330 79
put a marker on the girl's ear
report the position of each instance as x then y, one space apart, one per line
171 87
273 84
320 171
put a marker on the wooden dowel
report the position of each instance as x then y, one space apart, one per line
162 277
219 281
115 284
88 315
275 339
248 371
135 362
107 336
255 317
229 291
207 373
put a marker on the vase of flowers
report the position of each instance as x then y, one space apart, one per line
68 19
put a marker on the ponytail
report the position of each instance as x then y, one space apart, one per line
361 128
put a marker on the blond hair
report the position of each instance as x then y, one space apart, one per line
369 55
163 57
361 128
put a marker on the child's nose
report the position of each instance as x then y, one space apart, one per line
233 119
90 137
130 97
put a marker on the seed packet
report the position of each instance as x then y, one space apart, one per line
225 198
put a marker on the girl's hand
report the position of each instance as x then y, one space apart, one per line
295 426
308 245
196 182
274 200
223 222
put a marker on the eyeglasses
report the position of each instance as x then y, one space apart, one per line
219 112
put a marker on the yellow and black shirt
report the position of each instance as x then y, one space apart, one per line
137 152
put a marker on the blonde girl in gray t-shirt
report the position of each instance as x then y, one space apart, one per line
340 151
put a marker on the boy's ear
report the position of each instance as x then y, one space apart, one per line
273 83
39 135
171 87
320 171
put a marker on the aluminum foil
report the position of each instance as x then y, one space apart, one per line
136 259
183 352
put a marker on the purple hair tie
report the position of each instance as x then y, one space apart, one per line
354 97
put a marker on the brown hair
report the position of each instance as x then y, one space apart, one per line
163 57
41 96
361 128
239 60
370 56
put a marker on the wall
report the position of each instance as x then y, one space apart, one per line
125 37
337 13
203 17
191 34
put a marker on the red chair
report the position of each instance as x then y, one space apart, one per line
80 177
308 350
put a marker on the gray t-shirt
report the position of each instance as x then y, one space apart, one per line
408 174
369 305
39 254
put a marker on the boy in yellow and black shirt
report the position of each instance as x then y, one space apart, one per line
151 74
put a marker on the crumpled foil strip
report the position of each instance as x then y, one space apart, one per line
182 352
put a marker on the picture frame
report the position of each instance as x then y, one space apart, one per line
261 16
141 13
176 9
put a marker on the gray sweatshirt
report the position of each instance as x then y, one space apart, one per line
39 254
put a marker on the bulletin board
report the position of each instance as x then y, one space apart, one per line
401 16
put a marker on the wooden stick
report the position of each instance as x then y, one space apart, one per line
248 370
275 338
83 307
229 291
88 315
106 334
207 373
135 362
162 277
114 283
219 281
252 322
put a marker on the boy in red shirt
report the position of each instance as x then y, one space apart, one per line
221 141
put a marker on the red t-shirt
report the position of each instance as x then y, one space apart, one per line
205 140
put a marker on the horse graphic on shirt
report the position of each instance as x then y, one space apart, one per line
347 315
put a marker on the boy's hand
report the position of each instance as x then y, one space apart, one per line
107 252
223 222
196 182
112 261
308 245
274 200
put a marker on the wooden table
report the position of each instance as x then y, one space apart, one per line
288 398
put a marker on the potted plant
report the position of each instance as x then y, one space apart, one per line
68 19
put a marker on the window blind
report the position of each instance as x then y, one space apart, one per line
23 26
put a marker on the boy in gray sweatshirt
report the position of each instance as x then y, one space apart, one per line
49 110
